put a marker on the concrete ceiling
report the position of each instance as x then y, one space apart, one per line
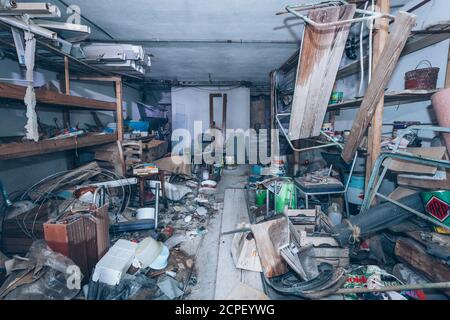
198 40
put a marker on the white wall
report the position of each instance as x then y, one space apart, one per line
20 173
192 104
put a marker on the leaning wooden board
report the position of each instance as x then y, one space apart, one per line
320 56
228 277
401 29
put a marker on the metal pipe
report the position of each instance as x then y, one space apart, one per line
408 287
157 205
17 23
370 16
283 130
208 41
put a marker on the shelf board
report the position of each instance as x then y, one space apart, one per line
417 41
50 98
390 98
17 150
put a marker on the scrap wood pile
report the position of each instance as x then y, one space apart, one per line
89 218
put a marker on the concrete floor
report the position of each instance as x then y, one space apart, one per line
206 248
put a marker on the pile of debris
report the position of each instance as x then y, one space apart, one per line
84 226
384 254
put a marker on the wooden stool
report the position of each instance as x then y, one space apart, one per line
144 178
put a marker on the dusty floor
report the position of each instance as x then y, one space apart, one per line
206 248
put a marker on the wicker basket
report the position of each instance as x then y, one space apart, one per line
422 79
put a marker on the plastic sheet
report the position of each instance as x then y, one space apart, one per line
52 279
126 289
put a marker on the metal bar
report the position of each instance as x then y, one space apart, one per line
408 287
197 41
17 23
370 15
157 205
283 130
374 185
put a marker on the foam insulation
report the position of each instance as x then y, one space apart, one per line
31 126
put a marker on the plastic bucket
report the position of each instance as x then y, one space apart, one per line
145 213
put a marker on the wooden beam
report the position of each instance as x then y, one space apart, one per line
447 77
100 79
28 149
401 29
66 114
67 76
375 131
16 92
119 109
321 54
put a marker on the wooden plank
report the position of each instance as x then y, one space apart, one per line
28 149
321 54
375 130
438 153
16 92
393 98
420 39
415 255
228 277
270 236
383 72
66 114
119 109
401 192
447 77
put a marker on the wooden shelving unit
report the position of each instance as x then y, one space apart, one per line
65 103
419 40
390 99
27 149
50 98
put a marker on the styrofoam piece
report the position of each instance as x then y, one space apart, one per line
162 260
176 192
147 251
115 263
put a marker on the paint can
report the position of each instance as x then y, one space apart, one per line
260 197
437 205
287 196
